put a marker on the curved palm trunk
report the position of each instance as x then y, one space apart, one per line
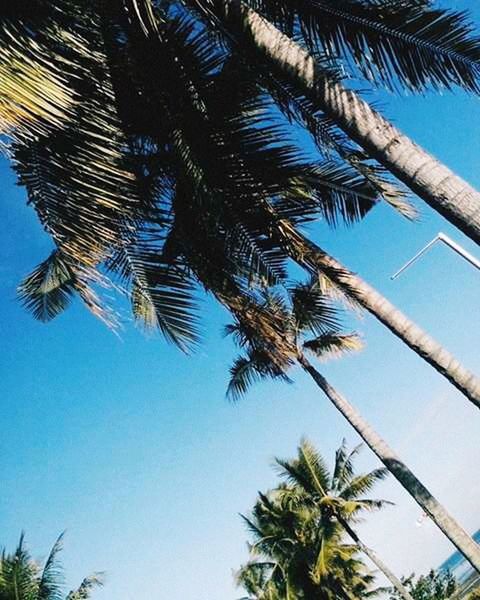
396 583
432 181
455 533
308 254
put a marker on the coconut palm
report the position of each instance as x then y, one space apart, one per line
292 320
412 44
22 578
297 553
102 134
339 493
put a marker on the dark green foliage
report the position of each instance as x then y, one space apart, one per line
22 578
300 313
437 585
299 548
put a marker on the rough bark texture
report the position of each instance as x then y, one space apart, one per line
435 183
455 533
396 583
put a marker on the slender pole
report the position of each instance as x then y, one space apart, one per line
440 237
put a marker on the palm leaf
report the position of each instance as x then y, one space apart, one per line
84 590
49 289
333 345
51 580
409 44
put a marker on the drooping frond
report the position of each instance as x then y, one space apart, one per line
247 370
165 301
333 345
49 289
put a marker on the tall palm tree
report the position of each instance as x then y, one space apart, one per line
411 44
298 553
89 71
22 578
200 191
339 493
307 312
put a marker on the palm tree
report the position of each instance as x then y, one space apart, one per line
339 494
411 44
88 72
297 553
22 578
306 311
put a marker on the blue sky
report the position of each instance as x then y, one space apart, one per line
131 447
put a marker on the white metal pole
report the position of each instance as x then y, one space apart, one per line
440 237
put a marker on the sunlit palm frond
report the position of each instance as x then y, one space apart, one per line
49 289
344 465
333 345
361 484
84 590
409 44
19 574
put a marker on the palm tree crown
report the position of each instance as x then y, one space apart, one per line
22 578
298 550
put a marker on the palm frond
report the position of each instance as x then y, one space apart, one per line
83 592
51 581
344 467
333 345
362 484
408 44
19 574
312 310
163 298
247 370
49 289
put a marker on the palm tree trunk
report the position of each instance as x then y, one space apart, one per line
309 255
435 183
455 533
396 583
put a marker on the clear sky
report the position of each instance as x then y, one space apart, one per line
132 448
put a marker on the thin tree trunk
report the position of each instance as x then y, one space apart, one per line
397 584
309 255
455 533
432 181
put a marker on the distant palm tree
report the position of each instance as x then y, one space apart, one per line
22 578
273 336
339 494
298 553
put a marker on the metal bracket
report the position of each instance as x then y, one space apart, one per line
440 237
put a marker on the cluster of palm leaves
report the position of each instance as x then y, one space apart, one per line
299 530
158 141
22 578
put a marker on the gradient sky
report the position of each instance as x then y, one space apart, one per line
132 448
